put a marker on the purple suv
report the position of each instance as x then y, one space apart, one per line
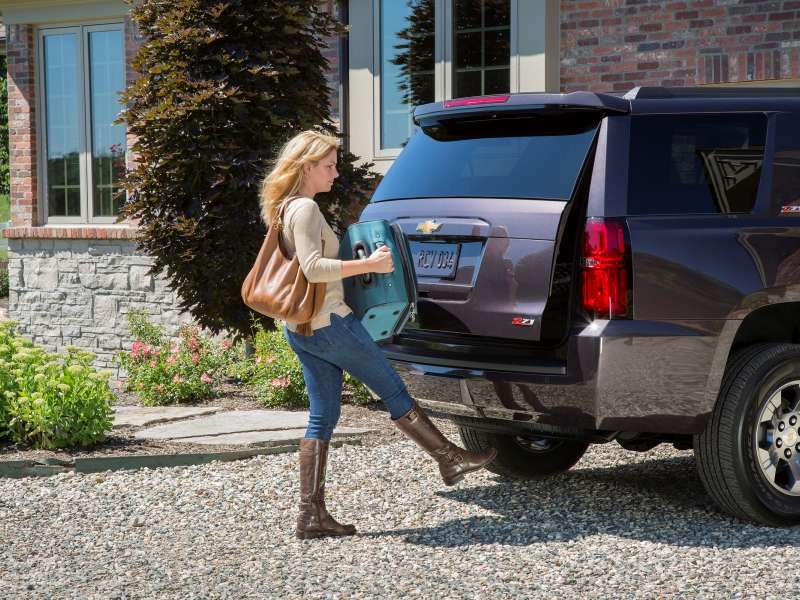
594 268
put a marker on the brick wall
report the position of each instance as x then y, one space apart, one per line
22 124
615 45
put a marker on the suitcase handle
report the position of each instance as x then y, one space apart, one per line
360 250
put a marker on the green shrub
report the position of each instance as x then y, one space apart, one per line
161 371
4 282
222 86
51 400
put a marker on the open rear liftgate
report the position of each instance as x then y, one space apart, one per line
383 302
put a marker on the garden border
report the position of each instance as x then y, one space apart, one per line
17 469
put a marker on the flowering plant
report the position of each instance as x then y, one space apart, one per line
162 371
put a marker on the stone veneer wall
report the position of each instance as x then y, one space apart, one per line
78 292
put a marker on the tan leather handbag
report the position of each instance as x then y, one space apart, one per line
278 288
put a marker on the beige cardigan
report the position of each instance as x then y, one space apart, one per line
304 229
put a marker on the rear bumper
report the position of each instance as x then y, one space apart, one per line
638 376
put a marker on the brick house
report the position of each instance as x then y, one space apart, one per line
75 273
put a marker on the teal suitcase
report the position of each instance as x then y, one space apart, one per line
383 302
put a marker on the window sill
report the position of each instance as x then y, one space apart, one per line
74 232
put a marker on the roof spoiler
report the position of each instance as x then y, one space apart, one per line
519 102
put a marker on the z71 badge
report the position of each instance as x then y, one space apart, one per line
523 321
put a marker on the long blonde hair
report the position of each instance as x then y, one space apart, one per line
287 176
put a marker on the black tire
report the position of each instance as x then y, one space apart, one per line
727 451
524 457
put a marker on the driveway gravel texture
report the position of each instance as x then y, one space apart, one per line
619 525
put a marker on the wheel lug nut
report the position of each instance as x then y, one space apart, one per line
793 421
779 442
781 426
788 453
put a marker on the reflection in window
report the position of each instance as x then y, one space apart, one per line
481 47
62 124
786 182
107 71
701 164
407 65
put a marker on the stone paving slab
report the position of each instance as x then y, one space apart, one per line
267 438
139 416
236 421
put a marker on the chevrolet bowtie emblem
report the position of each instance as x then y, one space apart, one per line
429 226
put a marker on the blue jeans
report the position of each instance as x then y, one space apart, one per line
344 345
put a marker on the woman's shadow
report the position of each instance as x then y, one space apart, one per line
656 500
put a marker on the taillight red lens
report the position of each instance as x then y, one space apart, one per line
478 100
605 276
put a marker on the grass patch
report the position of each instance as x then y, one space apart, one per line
5 208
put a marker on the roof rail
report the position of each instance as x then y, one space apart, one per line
663 93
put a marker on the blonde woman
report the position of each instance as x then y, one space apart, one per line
306 166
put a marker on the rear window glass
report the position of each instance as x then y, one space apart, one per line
695 163
523 157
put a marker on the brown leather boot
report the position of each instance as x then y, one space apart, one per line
454 462
313 520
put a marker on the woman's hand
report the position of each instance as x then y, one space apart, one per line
380 261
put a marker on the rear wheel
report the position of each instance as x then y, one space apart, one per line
524 457
749 454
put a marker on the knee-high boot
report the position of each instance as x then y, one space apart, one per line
313 519
454 462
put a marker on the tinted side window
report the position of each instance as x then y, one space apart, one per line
695 163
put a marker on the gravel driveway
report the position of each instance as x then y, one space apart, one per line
619 525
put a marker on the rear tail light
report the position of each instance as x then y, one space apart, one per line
476 101
604 269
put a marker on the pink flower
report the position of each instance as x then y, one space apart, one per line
160 387
172 359
279 382
226 344
153 364
137 348
270 359
175 349
205 378
195 359
258 360
176 379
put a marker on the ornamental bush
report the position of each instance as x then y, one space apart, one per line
51 400
278 375
223 84
163 371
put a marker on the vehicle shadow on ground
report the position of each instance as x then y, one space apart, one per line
659 500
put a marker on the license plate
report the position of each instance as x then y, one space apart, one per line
435 260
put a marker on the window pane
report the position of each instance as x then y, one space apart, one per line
695 163
482 39
467 83
496 81
62 120
106 80
468 50
497 13
407 65
498 48
535 157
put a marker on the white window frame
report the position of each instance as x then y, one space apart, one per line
83 29
534 64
